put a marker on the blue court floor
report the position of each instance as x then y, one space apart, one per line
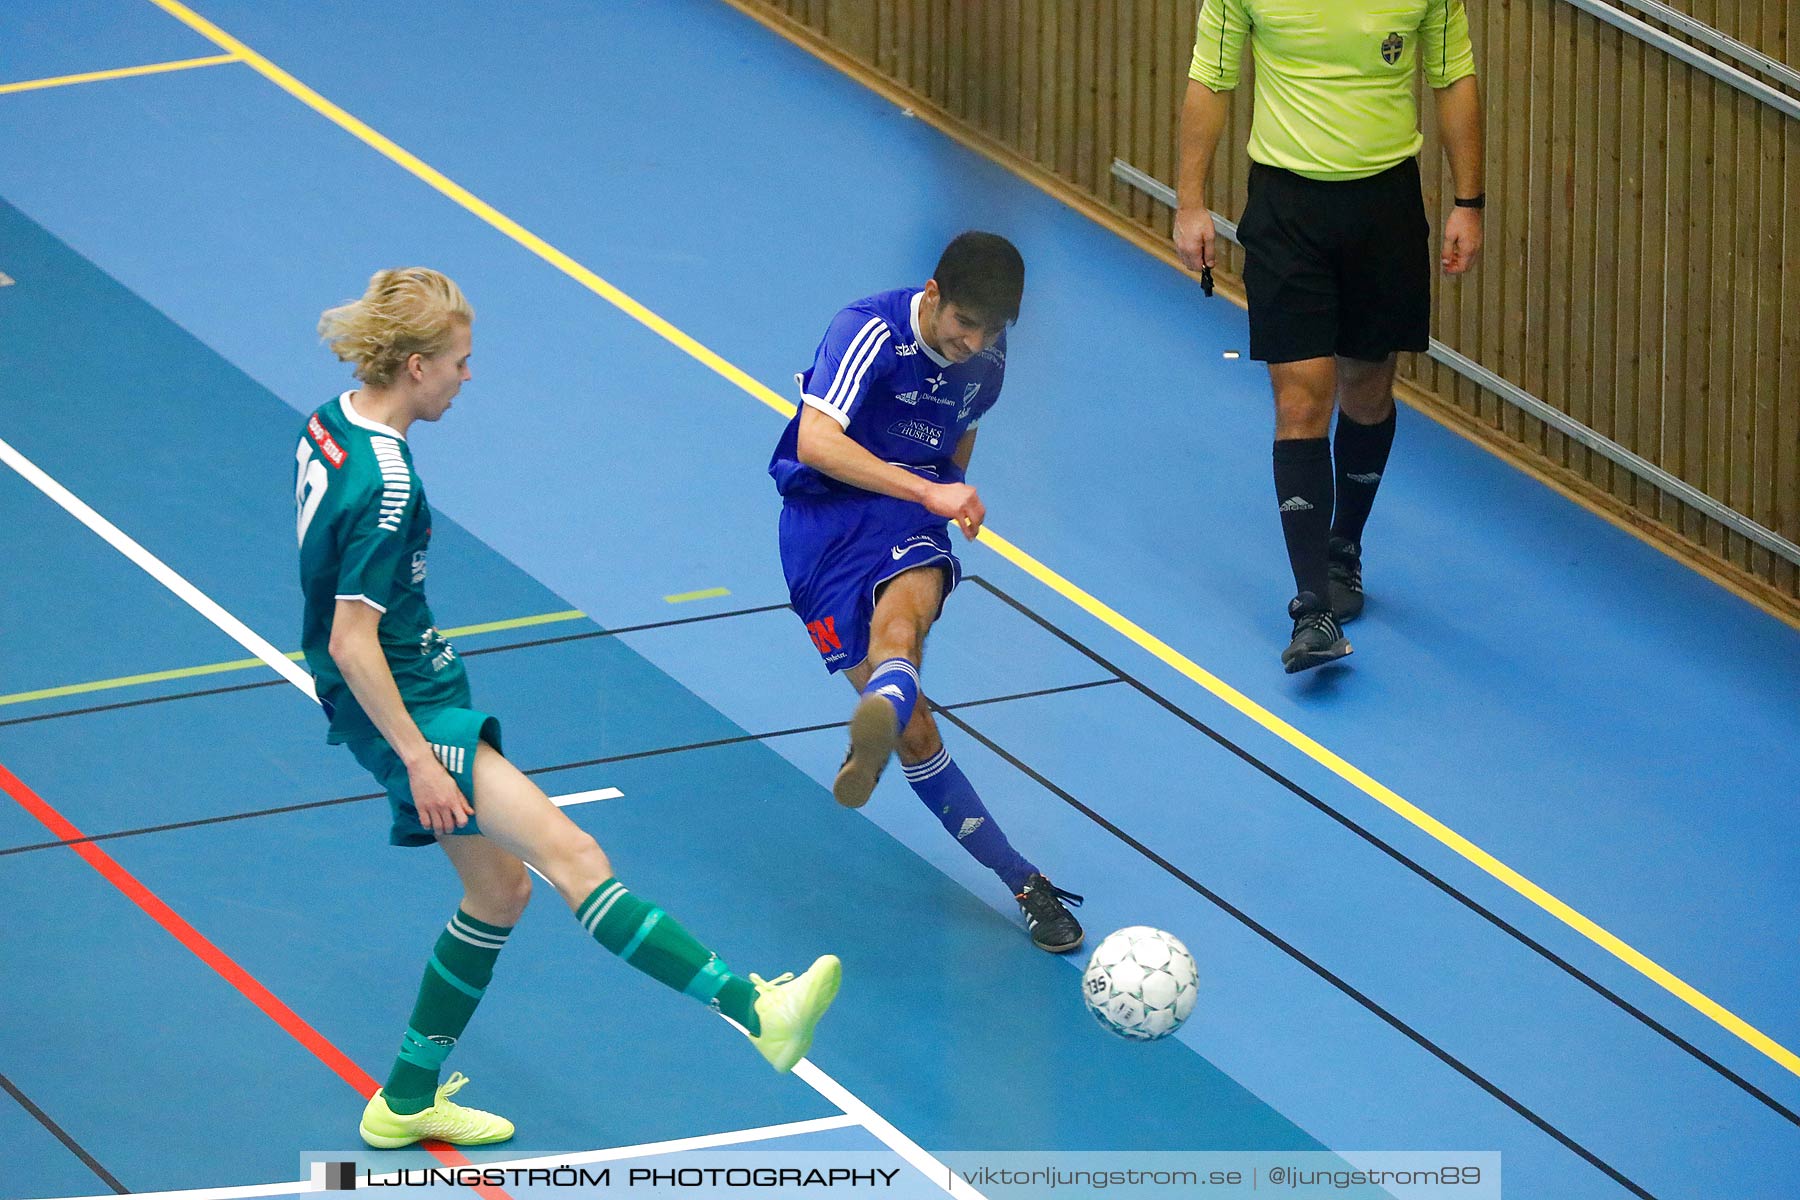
1518 878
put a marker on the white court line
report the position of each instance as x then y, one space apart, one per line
705 1141
246 637
577 798
158 570
587 797
921 1159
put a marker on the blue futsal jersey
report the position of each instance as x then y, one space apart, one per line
896 397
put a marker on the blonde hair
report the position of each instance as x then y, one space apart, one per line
406 311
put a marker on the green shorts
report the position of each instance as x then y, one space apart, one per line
453 734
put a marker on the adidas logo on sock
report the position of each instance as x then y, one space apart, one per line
892 692
969 826
1371 477
1296 504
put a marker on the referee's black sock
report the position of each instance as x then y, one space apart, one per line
1303 488
1362 454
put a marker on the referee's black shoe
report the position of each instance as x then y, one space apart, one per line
1318 638
1346 579
1052 926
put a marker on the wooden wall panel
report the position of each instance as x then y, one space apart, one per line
1643 243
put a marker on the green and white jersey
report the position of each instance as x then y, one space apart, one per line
1334 80
364 528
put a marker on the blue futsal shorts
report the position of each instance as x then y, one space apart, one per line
837 551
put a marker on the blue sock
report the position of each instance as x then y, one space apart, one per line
897 682
946 791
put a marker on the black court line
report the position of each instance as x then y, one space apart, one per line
61 1135
949 712
1300 956
1417 868
584 635
193 824
1080 647
99 708
568 766
757 737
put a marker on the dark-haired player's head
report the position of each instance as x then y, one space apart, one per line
972 296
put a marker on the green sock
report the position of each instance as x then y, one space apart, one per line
461 966
653 942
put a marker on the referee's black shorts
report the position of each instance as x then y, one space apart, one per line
1336 266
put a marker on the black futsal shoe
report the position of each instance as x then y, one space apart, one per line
1052 926
1318 638
1346 579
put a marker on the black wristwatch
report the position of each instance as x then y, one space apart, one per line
1473 201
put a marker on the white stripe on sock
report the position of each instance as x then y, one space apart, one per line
475 937
601 909
920 772
899 665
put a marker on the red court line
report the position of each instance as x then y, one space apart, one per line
178 927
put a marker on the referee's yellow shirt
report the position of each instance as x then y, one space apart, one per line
1334 78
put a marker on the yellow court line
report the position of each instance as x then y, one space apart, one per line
551 618
1376 790
245 664
703 594
184 64
470 201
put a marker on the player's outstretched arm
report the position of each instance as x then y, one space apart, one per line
356 649
969 512
824 446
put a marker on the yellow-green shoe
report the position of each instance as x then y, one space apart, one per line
385 1129
789 1010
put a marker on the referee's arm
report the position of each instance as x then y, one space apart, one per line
1448 57
1459 127
1218 50
1203 116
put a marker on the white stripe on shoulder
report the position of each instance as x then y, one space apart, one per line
855 364
396 482
865 360
870 328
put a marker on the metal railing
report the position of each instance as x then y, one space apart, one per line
1673 46
1724 43
1523 400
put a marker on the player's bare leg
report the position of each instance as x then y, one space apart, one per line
934 776
888 679
521 821
778 1015
496 885
413 1103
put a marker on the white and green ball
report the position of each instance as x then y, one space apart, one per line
1141 983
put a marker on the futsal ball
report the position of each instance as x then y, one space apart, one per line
1141 983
